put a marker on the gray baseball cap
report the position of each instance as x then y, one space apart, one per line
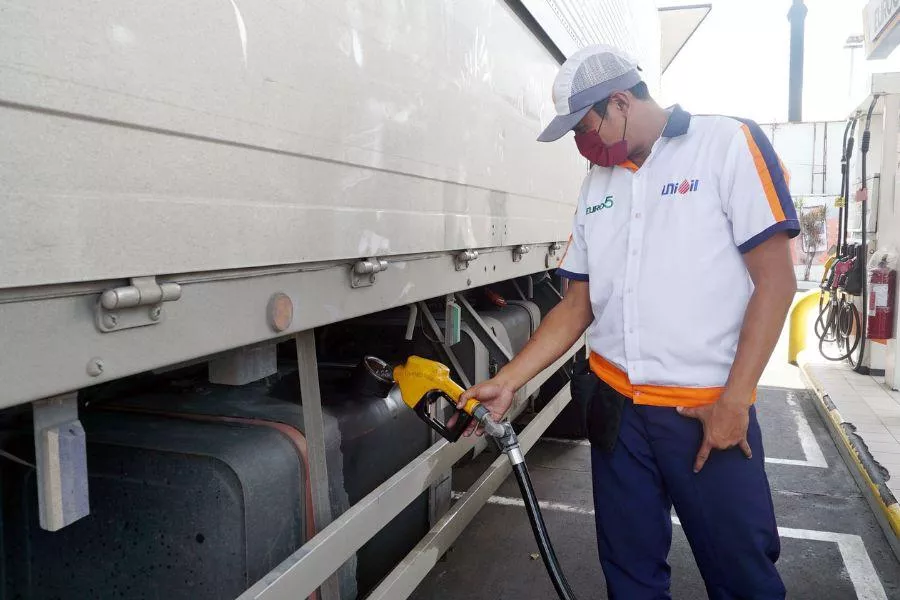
590 75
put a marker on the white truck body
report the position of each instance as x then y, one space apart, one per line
192 182
185 141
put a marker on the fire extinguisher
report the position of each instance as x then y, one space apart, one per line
882 290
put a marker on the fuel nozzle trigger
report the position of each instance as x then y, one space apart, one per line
424 408
423 384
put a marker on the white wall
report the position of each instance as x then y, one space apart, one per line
632 25
812 153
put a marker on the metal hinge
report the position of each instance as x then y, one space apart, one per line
552 249
520 251
363 272
135 305
462 259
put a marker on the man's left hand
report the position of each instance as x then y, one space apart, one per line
724 426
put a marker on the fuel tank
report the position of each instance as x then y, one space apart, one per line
198 490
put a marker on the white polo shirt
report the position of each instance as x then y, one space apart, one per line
661 247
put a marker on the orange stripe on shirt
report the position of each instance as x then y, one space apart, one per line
764 176
653 395
787 175
566 253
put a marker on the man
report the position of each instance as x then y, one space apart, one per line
679 263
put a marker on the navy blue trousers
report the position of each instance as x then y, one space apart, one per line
725 510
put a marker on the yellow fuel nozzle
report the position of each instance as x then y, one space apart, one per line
419 376
422 383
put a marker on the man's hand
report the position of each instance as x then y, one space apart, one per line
495 394
724 426
725 422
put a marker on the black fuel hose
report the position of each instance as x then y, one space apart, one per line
540 533
863 252
843 211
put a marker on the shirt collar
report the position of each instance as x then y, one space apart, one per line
678 123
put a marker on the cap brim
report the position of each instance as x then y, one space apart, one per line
562 124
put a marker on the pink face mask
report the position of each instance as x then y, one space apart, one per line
592 148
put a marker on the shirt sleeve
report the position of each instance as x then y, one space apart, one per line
574 264
755 194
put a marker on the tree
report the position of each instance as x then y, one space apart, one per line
812 232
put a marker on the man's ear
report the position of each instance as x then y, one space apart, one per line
621 101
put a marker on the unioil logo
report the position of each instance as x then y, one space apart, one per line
607 203
681 188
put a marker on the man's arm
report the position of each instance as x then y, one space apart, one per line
775 283
725 422
557 333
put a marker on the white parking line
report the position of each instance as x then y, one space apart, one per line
860 569
544 504
811 449
859 566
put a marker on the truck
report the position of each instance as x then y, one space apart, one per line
221 219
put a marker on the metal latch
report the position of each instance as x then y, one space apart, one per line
519 252
135 305
364 271
462 259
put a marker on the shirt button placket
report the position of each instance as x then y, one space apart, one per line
636 235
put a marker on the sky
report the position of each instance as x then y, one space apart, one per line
737 63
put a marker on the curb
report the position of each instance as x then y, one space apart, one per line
869 474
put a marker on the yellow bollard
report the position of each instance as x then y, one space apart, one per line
799 322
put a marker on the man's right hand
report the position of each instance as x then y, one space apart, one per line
495 394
